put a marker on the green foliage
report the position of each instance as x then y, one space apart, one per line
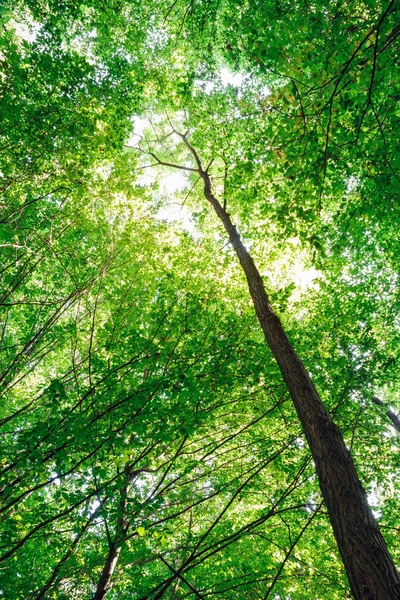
143 413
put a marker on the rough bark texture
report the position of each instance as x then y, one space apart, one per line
370 569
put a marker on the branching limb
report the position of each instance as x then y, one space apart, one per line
392 416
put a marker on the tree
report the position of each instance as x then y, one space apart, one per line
354 525
150 448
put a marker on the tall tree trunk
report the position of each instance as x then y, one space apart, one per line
105 581
370 569
115 545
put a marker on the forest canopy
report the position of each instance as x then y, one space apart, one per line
199 299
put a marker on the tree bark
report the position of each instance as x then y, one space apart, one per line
392 416
121 529
105 581
370 569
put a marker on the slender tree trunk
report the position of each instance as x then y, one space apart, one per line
370 569
105 581
115 546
